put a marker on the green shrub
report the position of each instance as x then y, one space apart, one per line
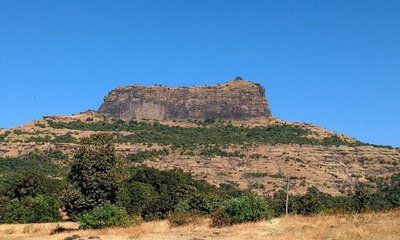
31 210
212 151
154 194
141 156
334 140
256 186
46 138
18 132
262 174
248 208
41 125
278 203
243 209
108 215
255 175
4 135
232 190
313 202
177 219
386 197
56 154
66 138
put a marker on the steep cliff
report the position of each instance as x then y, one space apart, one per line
237 99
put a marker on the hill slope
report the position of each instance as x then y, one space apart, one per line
258 153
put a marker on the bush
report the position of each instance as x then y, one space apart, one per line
177 219
154 194
109 215
66 138
243 209
4 135
30 210
248 208
313 202
278 203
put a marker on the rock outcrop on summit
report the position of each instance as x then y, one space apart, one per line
237 99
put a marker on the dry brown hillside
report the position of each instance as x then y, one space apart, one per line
310 155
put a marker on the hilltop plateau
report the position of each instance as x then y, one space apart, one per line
237 99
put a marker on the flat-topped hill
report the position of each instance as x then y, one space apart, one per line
237 99
222 134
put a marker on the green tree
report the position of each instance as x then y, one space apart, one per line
30 183
95 176
30 210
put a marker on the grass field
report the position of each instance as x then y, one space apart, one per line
379 226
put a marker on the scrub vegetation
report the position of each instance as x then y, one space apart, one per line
97 190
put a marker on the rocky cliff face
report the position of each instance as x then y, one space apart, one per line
237 99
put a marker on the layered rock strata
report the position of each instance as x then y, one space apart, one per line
237 99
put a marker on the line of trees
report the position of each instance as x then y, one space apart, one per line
208 131
100 192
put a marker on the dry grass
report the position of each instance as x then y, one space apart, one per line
382 226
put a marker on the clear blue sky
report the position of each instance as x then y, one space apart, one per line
332 63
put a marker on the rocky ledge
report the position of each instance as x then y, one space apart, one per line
237 99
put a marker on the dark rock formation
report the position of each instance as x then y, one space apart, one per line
237 99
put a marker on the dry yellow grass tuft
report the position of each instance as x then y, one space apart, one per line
343 226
